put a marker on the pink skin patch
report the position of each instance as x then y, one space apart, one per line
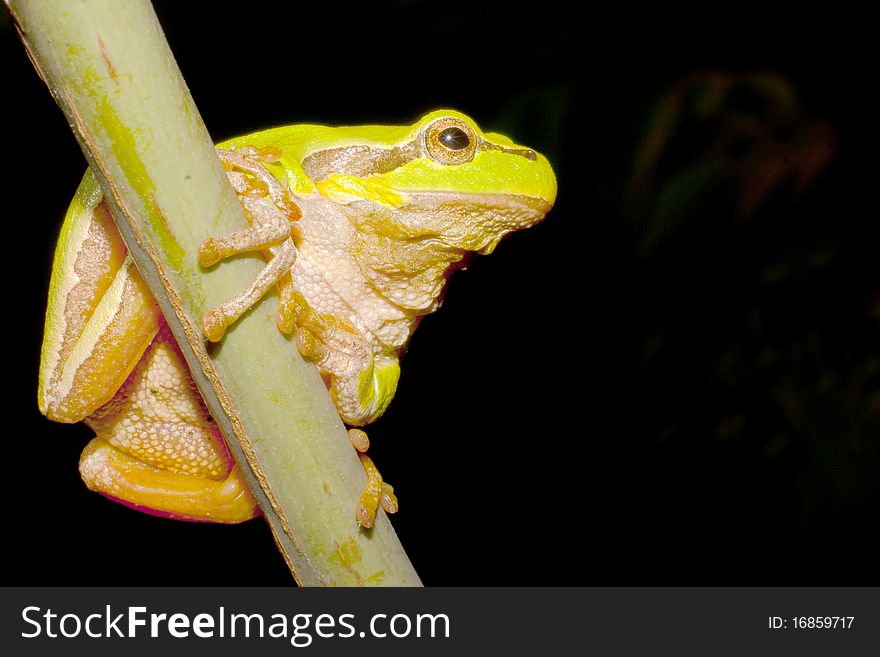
154 512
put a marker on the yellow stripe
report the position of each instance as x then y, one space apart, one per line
74 233
94 331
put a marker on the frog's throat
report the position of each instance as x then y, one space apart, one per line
381 268
408 253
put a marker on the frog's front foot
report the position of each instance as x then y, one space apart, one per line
376 492
270 211
333 344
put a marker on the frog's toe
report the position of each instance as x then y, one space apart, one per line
376 493
160 492
333 344
359 439
388 499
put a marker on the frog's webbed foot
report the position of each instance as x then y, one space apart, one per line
376 492
270 210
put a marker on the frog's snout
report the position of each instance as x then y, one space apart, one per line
545 180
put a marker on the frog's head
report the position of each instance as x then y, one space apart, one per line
441 179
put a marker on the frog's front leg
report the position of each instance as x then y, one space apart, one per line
361 383
270 210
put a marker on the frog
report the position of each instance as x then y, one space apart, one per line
360 228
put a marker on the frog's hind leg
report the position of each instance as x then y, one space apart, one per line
158 450
100 317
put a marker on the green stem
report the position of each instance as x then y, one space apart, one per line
110 69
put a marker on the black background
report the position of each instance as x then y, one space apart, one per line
561 420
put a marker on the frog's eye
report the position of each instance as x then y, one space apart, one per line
450 141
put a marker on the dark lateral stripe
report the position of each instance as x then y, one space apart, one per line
359 161
362 161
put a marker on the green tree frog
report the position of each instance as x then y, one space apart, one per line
360 228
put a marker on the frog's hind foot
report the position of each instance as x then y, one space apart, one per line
270 210
161 492
376 492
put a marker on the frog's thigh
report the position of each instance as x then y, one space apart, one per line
157 448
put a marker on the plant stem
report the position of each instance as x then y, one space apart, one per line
109 67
